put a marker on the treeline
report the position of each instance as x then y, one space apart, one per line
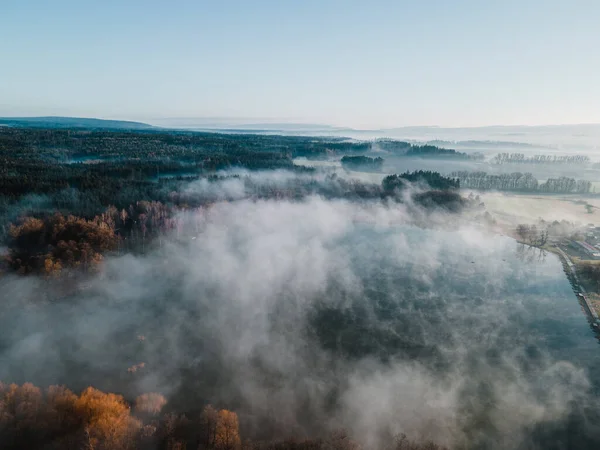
432 179
362 162
401 148
524 182
432 151
56 419
520 158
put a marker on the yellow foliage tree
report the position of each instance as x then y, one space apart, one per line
227 435
53 243
108 423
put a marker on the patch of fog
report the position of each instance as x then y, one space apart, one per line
452 332
327 163
331 166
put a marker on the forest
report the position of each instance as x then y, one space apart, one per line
430 178
121 167
362 163
432 151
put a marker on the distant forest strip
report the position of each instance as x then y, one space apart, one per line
79 145
433 179
362 162
400 148
57 418
521 182
208 151
520 158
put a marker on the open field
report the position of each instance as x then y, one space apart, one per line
523 208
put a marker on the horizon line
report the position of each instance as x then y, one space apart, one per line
249 121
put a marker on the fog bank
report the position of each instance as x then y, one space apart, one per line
306 316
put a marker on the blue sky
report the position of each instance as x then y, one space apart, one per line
363 64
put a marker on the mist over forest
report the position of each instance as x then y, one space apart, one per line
229 291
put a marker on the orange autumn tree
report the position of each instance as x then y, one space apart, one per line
108 423
58 242
227 433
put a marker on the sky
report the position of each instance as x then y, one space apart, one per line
355 63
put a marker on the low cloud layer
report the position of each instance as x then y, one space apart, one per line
311 315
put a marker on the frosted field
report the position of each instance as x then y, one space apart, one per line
515 208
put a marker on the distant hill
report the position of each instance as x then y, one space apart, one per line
72 122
